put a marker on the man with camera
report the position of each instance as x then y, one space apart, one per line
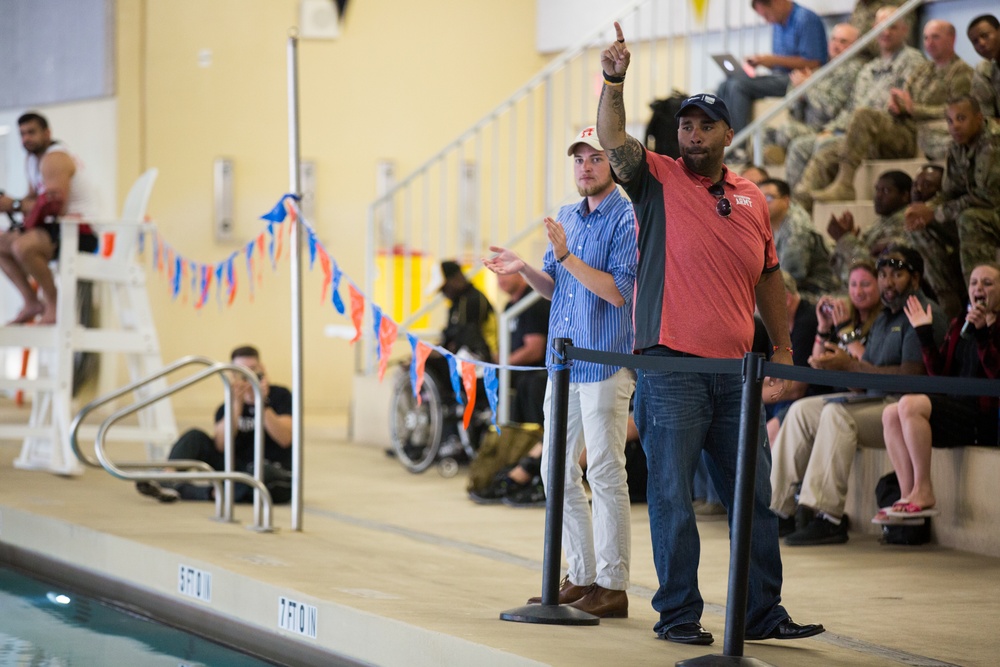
198 445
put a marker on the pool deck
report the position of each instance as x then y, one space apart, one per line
402 569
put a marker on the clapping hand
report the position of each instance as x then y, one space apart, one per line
557 236
837 227
917 216
503 262
916 313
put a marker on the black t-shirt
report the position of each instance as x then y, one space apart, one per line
281 402
469 324
534 320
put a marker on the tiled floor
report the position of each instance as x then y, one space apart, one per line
404 570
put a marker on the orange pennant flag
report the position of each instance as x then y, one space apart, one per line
469 382
232 288
357 311
279 238
260 258
420 359
107 244
324 262
386 337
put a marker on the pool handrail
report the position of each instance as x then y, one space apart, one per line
262 497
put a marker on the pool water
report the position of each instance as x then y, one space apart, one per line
42 625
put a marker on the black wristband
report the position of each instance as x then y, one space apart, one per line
612 79
561 259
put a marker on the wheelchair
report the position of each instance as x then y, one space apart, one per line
432 432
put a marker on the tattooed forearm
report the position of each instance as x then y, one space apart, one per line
611 114
624 152
626 159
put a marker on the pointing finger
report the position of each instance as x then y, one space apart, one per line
619 35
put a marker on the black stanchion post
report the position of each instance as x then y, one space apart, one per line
549 611
739 548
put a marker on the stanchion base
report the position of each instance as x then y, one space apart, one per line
550 614
723 661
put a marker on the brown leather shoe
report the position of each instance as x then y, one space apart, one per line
568 592
603 602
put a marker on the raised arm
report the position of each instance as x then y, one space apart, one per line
624 151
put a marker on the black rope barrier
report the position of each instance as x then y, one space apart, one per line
754 369
550 611
892 383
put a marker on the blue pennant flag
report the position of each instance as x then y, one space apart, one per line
492 384
338 303
377 325
456 378
413 362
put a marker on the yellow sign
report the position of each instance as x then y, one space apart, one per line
700 7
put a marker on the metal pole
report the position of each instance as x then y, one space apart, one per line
742 522
550 611
746 468
296 280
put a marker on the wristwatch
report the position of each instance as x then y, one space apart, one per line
16 206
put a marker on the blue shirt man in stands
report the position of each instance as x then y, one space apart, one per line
798 41
588 273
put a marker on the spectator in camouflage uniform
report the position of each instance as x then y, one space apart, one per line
817 107
802 252
970 195
914 116
892 194
872 90
937 243
984 33
863 19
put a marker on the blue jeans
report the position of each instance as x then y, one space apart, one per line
703 488
739 93
679 415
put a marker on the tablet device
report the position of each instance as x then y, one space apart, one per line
733 66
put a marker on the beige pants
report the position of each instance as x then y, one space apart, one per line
816 446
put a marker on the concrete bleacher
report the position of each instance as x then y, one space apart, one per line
962 476
864 185
963 480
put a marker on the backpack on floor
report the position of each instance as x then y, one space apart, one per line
886 493
499 451
661 133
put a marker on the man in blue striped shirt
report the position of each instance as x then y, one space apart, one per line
588 273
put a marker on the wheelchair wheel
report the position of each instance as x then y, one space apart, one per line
416 429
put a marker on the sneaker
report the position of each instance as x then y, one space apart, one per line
531 494
819 531
154 490
496 490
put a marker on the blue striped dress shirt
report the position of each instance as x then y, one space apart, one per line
604 239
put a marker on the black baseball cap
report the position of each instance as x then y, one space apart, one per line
710 104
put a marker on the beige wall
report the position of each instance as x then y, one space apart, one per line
401 80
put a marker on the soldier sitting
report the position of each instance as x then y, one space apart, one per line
970 195
984 33
913 117
892 194
872 90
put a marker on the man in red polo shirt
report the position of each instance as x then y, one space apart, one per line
706 259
